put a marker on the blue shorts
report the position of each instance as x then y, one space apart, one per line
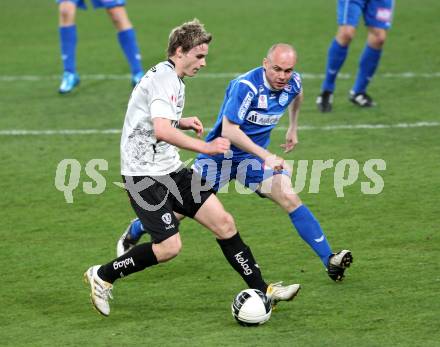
96 3
249 171
376 13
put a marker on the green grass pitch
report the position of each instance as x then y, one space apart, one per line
391 293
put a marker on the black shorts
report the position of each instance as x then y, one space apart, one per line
155 198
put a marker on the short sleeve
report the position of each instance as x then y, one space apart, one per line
297 83
239 100
164 92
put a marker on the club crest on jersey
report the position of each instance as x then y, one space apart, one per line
284 97
262 101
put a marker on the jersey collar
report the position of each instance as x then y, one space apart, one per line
173 66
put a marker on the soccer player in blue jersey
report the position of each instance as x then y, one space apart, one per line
68 39
252 106
377 16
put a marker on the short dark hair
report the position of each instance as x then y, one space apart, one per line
188 35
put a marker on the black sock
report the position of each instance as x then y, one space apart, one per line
241 259
136 259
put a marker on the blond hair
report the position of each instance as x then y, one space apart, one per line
188 35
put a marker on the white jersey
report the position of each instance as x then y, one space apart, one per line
160 93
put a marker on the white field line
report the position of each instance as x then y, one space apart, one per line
225 75
22 132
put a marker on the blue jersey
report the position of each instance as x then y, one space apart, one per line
250 102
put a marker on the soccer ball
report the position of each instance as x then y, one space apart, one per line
251 307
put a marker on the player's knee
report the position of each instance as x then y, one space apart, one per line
377 39
119 18
174 247
345 35
168 249
66 14
290 201
225 226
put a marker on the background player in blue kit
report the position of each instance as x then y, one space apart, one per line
377 16
68 39
252 106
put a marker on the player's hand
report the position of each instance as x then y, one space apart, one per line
275 163
192 123
218 146
291 140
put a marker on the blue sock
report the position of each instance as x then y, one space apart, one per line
136 229
310 231
335 59
367 66
68 40
128 43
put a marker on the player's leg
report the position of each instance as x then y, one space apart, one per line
68 41
156 216
279 189
213 216
127 40
101 277
348 13
218 174
165 245
378 16
337 54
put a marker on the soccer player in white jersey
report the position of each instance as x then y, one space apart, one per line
69 38
157 183
253 104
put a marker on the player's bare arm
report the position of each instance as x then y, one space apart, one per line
164 131
191 123
291 134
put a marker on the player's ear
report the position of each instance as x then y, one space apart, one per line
265 63
179 52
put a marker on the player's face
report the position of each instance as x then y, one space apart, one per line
279 69
194 60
